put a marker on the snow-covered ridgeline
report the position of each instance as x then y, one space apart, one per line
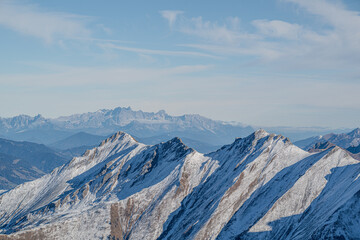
261 186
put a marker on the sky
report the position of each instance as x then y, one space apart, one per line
259 62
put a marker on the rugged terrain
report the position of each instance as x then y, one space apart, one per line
258 187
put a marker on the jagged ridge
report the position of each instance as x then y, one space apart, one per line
259 187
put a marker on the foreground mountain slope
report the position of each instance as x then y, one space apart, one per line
259 187
325 182
120 175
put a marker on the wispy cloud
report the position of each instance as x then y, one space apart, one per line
87 77
157 52
276 101
170 15
48 26
227 32
291 44
278 29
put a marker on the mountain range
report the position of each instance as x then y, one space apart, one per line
349 141
201 133
25 161
259 187
206 134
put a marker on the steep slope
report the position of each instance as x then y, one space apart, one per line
25 161
122 181
245 165
259 187
262 190
355 151
324 183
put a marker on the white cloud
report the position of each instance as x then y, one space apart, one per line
213 31
87 77
345 32
262 50
278 29
170 16
48 26
156 52
276 99
285 44
228 32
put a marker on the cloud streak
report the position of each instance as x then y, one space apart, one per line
170 16
177 89
66 76
47 26
284 43
157 52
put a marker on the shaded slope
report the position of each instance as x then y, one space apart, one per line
118 174
25 161
14 171
259 187
79 139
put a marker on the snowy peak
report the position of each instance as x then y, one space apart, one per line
175 142
117 143
119 138
21 122
355 133
261 133
258 187
120 168
257 141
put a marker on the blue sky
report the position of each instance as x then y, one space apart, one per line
261 62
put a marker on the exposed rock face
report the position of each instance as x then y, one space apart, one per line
259 187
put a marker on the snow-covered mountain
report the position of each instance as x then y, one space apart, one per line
258 187
349 141
143 125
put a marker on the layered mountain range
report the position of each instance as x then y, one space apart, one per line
259 187
200 132
349 141
25 161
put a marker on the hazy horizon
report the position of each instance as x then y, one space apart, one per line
263 63
244 123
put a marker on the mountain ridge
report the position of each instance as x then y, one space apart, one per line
260 186
107 121
344 140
